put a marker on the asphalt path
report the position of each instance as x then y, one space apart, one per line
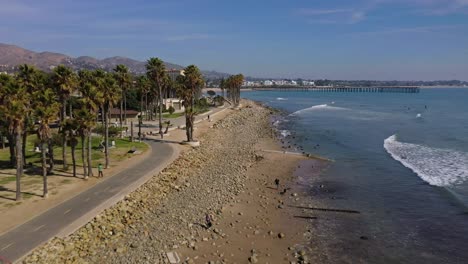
18 242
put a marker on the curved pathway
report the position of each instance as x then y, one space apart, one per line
70 215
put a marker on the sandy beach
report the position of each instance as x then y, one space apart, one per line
231 176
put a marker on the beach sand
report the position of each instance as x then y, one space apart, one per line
262 225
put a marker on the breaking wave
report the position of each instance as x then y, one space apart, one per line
318 107
439 167
281 99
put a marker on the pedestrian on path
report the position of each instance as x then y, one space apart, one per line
209 119
101 175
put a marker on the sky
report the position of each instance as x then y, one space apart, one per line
333 39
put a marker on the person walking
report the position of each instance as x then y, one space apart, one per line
277 182
101 174
209 220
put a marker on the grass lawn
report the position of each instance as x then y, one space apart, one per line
119 153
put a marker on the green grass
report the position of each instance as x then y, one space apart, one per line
5 180
97 156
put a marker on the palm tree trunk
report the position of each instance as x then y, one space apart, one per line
11 146
64 137
44 168
23 146
83 155
106 137
19 164
51 156
187 126
160 113
73 150
90 168
121 113
125 107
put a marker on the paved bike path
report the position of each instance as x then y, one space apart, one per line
68 216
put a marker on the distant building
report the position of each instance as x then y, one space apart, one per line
293 83
174 102
267 83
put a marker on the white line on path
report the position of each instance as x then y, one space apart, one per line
38 228
7 246
87 199
67 211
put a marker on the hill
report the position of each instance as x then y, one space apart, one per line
11 56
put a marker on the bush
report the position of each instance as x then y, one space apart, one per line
113 131
171 110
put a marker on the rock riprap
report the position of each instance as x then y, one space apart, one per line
169 210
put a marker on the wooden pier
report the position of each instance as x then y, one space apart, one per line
389 89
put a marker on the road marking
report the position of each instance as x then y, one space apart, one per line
67 211
7 246
37 228
87 199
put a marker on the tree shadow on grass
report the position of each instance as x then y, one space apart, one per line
24 194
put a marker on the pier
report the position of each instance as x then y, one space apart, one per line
389 89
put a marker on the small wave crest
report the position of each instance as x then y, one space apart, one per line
281 99
317 107
285 133
439 167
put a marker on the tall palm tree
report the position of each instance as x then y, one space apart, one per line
124 80
156 72
14 106
110 95
70 127
91 100
46 109
188 87
5 82
64 81
30 78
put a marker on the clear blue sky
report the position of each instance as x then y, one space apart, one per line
335 39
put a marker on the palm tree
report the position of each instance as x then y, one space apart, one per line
70 127
91 100
156 72
14 106
64 81
46 110
188 87
30 78
110 96
5 83
124 80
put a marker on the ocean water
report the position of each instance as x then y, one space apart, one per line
399 159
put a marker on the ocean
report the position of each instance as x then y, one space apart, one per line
401 160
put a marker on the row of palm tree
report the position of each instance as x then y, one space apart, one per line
233 85
32 100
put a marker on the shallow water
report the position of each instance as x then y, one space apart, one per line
401 159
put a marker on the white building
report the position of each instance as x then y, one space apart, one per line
267 83
293 82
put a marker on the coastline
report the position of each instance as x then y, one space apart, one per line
230 176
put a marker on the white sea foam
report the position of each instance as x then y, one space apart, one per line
318 107
281 99
439 167
285 133
418 115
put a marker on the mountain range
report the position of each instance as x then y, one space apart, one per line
11 56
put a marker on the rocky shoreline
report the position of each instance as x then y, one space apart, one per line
160 215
